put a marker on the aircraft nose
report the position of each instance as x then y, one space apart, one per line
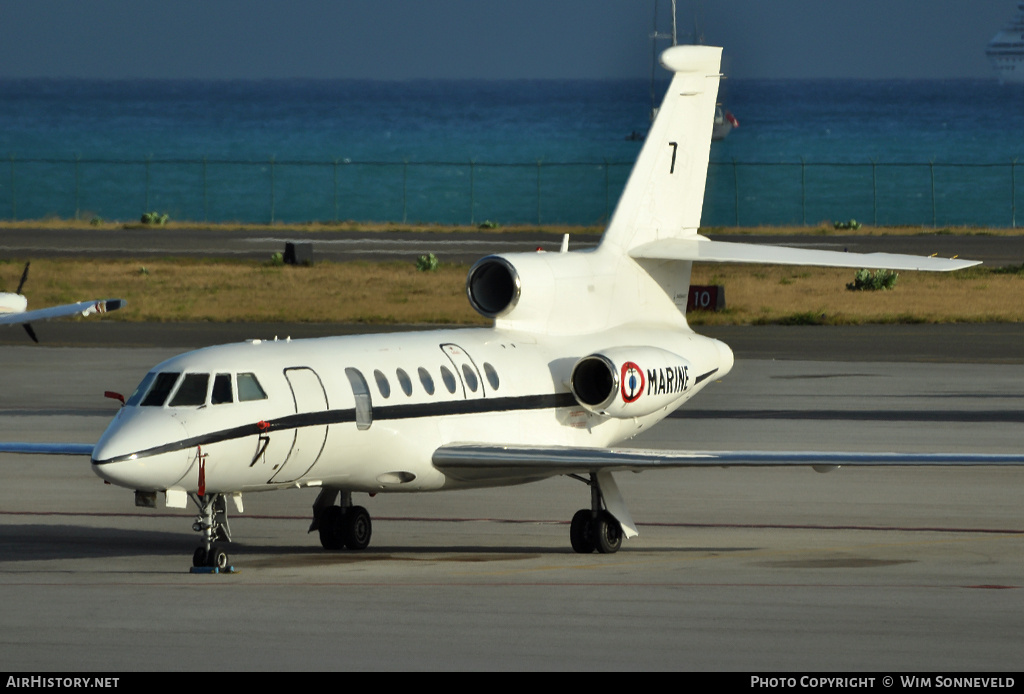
145 451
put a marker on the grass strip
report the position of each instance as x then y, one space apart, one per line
170 290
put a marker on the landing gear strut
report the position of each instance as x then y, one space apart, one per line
343 525
595 528
212 522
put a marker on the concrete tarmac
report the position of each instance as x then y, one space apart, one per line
879 570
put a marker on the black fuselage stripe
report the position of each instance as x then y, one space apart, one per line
380 413
704 377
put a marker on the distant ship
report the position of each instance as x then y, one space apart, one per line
724 123
1006 50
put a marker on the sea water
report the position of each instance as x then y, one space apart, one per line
547 152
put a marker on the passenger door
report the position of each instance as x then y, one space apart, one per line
309 398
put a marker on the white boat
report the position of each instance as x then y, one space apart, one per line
1006 50
724 123
724 120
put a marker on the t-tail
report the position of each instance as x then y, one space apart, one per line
640 272
664 195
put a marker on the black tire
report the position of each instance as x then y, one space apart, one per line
330 528
356 528
580 535
199 557
217 558
606 533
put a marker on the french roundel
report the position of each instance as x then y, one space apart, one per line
632 380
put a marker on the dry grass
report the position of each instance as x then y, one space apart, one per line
773 294
190 290
362 292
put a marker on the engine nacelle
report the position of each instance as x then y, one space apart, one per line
549 293
494 286
626 382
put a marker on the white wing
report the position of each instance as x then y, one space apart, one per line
511 464
84 308
48 448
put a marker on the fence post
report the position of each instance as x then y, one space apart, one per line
14 205
874 194
206 214
803 192
335 191
736 191
538 192
931 173
1013 194
405 180
77 185
273 193
607 192
472 192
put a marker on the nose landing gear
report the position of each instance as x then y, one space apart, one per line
212 522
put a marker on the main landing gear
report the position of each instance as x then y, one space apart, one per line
212 522
594 528
343 525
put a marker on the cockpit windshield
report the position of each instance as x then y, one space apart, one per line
141 390
162 387
192 389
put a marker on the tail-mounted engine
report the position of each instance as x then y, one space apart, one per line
626 382
549 293
493 286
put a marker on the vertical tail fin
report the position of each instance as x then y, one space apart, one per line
665 192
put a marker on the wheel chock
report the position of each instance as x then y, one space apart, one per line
212 570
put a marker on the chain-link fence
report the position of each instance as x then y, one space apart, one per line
738 193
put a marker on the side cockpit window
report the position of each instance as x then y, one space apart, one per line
249 388
192 391
157 395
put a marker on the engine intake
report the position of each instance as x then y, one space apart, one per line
594 382
493 286
627 382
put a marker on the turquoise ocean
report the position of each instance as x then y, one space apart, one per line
548 152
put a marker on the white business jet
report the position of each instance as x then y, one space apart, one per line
13 308
588 349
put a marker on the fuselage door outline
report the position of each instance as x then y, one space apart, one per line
309 396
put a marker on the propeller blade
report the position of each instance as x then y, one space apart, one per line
24 276
31 332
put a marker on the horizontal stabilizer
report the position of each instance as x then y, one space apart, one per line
699 249
476 463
